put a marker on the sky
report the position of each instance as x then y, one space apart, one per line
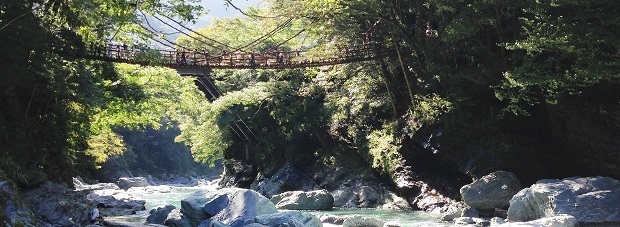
218 9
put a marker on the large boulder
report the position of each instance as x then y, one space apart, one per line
234 207
491 191
243 206
299 200
128 182
591 200
57 205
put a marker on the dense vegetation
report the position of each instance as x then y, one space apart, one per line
58 111
482 85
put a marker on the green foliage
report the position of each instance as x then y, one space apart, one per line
384 145
568 45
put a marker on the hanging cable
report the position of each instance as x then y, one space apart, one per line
251 15
155 30
189 29
262 38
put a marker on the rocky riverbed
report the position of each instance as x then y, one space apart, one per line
497 199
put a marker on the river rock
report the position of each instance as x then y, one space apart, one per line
118 202
299 200
159 215
175 219
13 208
471 221
332 219
562 220
242 205
288 218
57 205
128 182
591 200
359 221
491 191
79 185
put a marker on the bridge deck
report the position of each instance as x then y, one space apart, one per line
239 60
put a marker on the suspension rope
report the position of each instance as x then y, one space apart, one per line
155 30
251 15
267 35
189 29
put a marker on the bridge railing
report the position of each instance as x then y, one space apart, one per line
119 52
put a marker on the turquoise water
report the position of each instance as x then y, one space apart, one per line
173 196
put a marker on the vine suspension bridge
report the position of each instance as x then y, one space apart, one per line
199 63
275 59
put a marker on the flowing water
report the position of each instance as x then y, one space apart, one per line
159 196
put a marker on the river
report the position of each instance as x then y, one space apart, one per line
159 196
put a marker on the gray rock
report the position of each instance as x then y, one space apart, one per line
497 221
470 212
57 205
128 182
242 206
332 219
345 197
500 213
175 219
299 200
159 215
288 178
453 212
562 220
591 200
464 221
491 191
13 208
359 221
288 218
216 205
118 202
193 206
472 221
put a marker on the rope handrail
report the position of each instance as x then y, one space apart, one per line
116 52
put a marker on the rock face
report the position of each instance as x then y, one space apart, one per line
58 205
13 211
299 200
591 200
238 174
128 182
288 178
491 191
351 186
